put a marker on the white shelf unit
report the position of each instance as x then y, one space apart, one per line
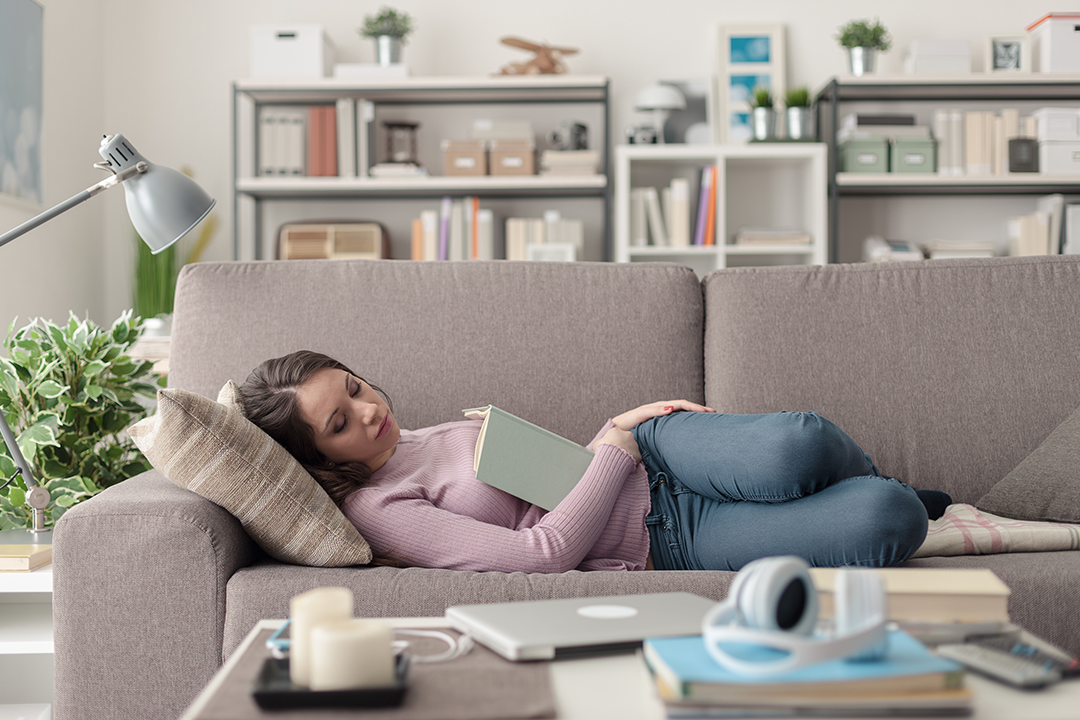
760 185
26 637
921 207
445 107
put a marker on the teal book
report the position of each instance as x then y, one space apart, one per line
685 672
526 460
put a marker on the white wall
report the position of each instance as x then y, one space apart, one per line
165 69
57 268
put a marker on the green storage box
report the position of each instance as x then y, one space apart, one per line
913 155
864 155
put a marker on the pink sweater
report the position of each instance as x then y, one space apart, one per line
426 507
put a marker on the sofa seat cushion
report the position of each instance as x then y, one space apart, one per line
211 449
1046 484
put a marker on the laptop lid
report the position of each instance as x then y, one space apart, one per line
546 629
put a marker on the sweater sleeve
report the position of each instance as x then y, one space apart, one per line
404 524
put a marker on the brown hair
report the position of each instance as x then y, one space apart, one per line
269 399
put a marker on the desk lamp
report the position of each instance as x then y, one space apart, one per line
660 100
164 205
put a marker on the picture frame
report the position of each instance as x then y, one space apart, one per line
21 95
748 56
1008 54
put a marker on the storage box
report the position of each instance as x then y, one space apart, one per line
865 155
513 157
465 157
938 57
1055 43
1058 158
1057 124
289 51
912 155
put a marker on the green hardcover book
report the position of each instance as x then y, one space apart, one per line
524 459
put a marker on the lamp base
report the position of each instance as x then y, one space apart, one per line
25 537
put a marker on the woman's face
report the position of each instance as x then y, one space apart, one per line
351 422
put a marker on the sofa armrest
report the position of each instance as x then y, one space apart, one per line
139 577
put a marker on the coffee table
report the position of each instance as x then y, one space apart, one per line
618 687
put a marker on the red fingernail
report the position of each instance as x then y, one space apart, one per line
669 407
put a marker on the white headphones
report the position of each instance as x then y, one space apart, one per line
773 607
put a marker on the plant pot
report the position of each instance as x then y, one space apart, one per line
862 60
800 123
388 50
764 123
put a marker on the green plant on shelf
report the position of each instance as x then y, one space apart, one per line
69 392
762 98
797 97
389 22
864 34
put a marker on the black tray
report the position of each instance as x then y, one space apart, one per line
273 690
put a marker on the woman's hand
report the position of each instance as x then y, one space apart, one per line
621 438
632 418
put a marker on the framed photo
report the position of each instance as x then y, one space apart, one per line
1008 53
748 57
21 76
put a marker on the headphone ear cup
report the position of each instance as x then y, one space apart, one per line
861 604
778 594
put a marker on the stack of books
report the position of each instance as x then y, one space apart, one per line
909 680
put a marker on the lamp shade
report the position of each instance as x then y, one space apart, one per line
659 97
163 204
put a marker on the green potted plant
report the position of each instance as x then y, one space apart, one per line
764 114
69 392
389 28
800 121
863 40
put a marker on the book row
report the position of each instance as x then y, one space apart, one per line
680 216
462 230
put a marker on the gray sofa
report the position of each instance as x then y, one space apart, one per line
949 373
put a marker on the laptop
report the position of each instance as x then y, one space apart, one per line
547 629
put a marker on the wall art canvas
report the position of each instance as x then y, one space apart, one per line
749 57
21 77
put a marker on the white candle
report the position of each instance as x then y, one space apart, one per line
348 654
306 611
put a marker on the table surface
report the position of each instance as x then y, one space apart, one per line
618 687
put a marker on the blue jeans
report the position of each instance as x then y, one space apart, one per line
728 489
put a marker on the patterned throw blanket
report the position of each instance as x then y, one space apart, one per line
966 530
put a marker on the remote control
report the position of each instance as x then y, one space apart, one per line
1033 649
1001 665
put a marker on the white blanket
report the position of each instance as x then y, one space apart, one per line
966 530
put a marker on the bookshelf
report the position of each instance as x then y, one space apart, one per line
445 108
863 204
770 186
26 638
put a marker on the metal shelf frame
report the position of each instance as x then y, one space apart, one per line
968 88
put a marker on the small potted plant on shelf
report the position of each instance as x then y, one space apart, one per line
388 28
863 40
764 114
800 121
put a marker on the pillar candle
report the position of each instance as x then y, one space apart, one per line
306 611
347 654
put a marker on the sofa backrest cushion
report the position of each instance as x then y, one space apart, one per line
564 345
948 373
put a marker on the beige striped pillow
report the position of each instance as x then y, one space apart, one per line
211 449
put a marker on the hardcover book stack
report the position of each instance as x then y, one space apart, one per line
909 680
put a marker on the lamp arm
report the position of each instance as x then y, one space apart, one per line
71 202
38 497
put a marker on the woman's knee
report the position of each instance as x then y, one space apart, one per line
898 520
819 447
